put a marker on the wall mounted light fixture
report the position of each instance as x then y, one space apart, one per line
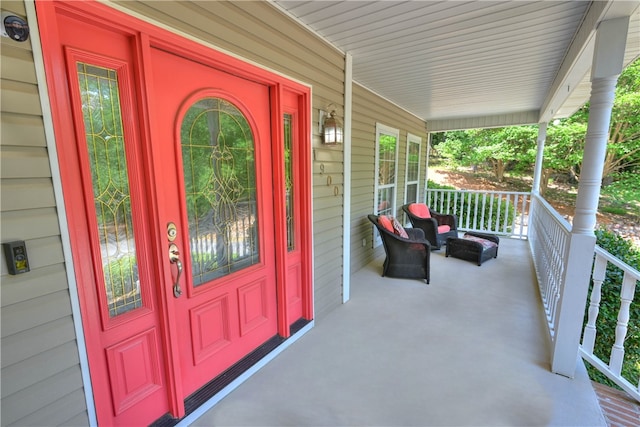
332 131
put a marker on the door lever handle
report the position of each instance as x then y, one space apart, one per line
174 258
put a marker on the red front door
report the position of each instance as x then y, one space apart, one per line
189 251
211 133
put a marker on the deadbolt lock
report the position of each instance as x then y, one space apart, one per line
172 231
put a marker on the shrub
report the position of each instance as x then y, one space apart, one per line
610 305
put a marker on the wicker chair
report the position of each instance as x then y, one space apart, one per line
437 227
405 258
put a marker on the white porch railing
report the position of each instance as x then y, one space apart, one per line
497 212
549 242
523 215
630 279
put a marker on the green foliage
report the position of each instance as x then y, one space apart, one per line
505 148
610 306
623 193
435 186
513 149
616 210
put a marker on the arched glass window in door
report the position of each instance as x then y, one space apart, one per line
219 178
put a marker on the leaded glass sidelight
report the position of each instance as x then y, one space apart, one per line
110 181
219 178
288 175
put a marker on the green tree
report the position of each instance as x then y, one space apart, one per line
513 148
563 151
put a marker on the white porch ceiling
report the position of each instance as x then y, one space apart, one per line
462 64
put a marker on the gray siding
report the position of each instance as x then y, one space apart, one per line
41 381
259 32
369 109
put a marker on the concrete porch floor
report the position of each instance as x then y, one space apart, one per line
470 349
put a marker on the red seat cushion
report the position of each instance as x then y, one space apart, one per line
420 210
385 222
443 229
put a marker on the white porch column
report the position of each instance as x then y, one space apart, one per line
607 65
426 169
346 199
537 170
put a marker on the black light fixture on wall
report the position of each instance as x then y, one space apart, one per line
332 131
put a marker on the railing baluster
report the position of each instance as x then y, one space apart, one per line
490 222
617 352
455 203
590 332
475 212
468 210
498 213
505 221
484 206
461 209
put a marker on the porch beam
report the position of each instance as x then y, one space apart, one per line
607 65
576 62
496 121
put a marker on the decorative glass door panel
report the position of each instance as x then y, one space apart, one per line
219 179
105 144
288 181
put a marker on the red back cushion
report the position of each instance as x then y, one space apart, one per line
385 222
420 210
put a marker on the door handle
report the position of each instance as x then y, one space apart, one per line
174 258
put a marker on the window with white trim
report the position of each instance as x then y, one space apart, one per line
387 139
412 169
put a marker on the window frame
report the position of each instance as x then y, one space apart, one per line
412 139
382 129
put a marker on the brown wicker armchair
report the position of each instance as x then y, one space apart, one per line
405 257
437 227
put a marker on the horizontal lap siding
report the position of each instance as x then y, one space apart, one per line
259 32
369 109
41 381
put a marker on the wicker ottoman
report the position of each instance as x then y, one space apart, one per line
476 247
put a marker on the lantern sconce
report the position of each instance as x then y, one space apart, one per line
330 128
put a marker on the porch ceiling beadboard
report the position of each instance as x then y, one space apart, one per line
469 64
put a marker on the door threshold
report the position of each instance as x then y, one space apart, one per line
218 388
